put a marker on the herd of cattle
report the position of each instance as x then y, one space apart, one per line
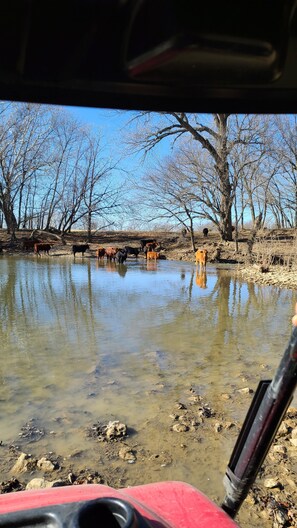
149 247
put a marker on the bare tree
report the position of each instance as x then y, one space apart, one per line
165 193
283 200
216 135
24 136
216 170
101 197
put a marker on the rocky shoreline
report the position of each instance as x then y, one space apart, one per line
270 502
276 276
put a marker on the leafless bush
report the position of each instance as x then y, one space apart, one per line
275 250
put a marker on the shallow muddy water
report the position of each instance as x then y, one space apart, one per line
84 342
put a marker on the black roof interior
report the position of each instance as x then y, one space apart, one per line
182 55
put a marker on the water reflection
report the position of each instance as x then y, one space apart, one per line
151 265
88 339
201 279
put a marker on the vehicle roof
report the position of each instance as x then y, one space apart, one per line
163 55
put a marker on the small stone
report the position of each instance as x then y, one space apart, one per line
45 465
194 399
272 483
41 483
128 454
180 405
115 429
180 428
279 449
218 427
245 390
71 477
226 396
24 463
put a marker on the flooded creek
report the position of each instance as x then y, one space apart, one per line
86 342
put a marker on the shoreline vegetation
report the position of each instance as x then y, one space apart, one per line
274 255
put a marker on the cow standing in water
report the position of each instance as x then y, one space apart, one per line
152 255
80 248
100 253
121 256
201 258
111 252
132 251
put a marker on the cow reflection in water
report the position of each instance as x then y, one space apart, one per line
201 279
151 265
112 266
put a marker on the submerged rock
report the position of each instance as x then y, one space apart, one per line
126 453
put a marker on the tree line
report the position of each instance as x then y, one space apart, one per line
222 169
54 172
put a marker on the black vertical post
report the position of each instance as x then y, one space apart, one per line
266 412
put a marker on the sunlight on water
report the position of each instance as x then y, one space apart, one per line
85 341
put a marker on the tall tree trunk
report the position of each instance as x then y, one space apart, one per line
222 168
89 237
10 219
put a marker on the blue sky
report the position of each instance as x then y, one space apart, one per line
110 121
113 126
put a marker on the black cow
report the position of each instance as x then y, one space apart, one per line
121 256
42 247
82 248
132 251
205 232
143 242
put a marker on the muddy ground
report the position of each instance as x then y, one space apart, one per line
272 500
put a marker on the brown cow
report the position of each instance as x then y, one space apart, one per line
100 252
42 247
152 255
201 258
151 246
111 252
